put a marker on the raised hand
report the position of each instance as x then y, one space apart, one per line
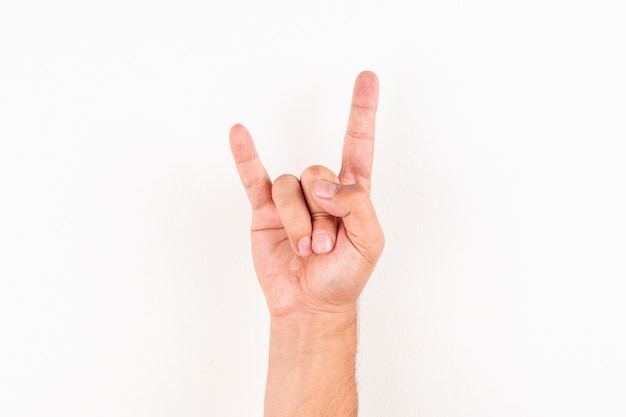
315 240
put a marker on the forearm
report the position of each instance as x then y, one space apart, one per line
312 366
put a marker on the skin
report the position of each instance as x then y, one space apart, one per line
315 242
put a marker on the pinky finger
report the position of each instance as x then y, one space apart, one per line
253 175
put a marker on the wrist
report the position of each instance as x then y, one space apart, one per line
305 331
312 365
344 317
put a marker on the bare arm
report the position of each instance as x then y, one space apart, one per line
311 367
315 242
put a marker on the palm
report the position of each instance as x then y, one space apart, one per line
294 283
321 281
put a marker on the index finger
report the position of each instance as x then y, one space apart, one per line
358 144
251 171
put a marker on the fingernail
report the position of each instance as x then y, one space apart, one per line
325 189
323 242
304 246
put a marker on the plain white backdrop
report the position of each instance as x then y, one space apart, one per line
126 283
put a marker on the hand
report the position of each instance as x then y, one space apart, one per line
315 240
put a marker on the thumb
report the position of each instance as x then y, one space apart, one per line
351 202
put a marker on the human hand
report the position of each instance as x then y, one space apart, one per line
315 240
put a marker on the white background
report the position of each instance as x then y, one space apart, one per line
126 285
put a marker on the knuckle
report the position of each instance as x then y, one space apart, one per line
285 179
253 180
360 194
316 172
360 134
282 188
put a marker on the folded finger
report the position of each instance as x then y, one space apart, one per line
351 202
294 213
324 225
